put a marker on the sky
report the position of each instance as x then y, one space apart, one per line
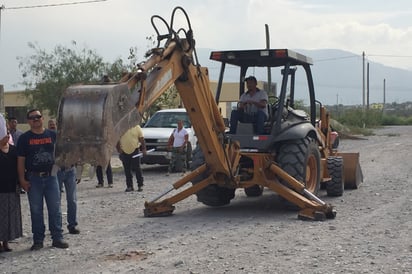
380 28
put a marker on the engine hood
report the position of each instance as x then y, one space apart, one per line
158 133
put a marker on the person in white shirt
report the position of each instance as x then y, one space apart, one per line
178 141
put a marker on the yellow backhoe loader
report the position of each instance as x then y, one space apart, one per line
293 157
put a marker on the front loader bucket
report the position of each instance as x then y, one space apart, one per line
352 170
91 120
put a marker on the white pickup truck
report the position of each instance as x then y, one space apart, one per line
157 131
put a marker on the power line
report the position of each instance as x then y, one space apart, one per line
52 5
390 55
369 55
337 58
2 7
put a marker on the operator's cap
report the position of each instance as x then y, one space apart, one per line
252 78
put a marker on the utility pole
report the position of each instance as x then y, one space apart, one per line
384 93
363 80
337 104
367 86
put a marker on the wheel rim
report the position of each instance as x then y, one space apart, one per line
311 177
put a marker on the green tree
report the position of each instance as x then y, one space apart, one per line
47 74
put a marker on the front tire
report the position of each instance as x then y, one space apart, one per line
254 191
336 185
212 195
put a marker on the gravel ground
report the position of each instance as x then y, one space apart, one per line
370 234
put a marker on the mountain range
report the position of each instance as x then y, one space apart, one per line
338 77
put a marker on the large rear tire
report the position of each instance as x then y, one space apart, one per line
212 195
301 159
336 185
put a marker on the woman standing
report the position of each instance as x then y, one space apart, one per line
10 210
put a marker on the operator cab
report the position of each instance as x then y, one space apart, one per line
272 68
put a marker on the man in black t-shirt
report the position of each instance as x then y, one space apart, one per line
35 161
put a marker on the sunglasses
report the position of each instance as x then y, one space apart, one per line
34 117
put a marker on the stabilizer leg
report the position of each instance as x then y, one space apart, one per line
313 208
165 207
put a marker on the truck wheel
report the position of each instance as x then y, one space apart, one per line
301 159
335 186
254 191
212 195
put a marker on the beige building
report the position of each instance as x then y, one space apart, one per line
15 104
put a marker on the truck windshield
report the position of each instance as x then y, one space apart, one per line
168 120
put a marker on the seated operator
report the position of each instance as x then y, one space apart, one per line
252 107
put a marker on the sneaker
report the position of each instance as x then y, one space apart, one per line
110 186
168 174
60 244
139 188
73 230
36 246
129 189
99 185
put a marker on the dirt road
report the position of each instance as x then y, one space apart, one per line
370 234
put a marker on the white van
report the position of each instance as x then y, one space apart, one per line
157 131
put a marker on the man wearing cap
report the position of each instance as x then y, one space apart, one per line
252 107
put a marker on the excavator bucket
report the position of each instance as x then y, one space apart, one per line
91 120
352 170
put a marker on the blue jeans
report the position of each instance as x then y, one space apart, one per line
68 178
47 188
258 121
